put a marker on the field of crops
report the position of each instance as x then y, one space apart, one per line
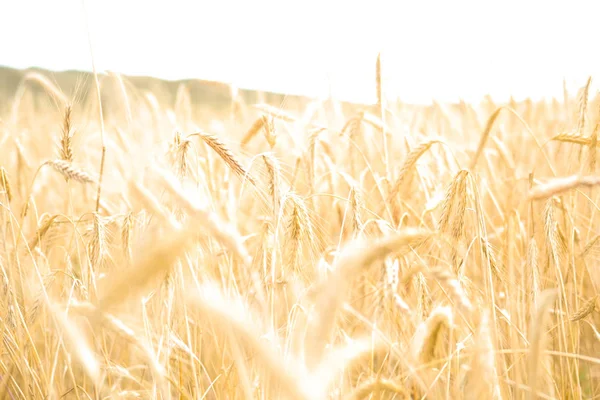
151 249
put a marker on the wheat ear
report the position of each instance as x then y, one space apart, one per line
557 186
258 124
409 163
69 171
225 153
427 339
5 184
42 230
586 309
573 138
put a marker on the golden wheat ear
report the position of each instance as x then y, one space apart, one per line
557 186
5 184
69 171
225 153
66 146
426 345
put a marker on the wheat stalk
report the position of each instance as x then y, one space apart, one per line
583 102
483 378
537 336
42 230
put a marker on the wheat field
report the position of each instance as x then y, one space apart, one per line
390 251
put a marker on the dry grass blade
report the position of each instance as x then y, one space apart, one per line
42 230
560 185
69 171
484 137
537 330
227 155
409 163
258 124
427 341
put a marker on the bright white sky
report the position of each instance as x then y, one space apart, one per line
431 49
